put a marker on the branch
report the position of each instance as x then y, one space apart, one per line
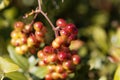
45 15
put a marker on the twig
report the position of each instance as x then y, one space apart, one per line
45 15
33 19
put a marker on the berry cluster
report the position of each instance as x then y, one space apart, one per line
58 58
67 33
26 37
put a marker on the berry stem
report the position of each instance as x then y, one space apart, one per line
45 15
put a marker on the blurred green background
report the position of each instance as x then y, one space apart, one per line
98 22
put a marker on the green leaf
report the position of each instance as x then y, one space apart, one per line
100 38
16 75
7 66
117 73
18 59
40 72
4 3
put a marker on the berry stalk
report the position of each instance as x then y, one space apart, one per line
45 15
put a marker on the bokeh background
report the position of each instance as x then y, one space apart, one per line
98 22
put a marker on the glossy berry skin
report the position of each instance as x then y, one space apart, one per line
48 49
64 75
48 77
68 65
55 45
40 54
62 56
59 68
55 75
61 23
76 59
51 68
31 40
38 26
19 25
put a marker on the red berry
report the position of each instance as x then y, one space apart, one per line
24 40
53 58
27 28
40 54
62 56
51 68
68 65
59 68
19 25
39 34
48 49
76 59
64 32
71 28
61 23
64 75
48 77
38 26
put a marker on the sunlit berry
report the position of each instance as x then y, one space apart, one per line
14 34
55 75
55 44
59 69
76 59
68 65
51 68
61 23
31 41
38 26
18 50
48 77
24 48
62 56
40 54
48 49
19 25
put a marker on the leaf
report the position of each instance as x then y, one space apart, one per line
117 73
18 59
4 3
16 75
100 38
7 66
39 71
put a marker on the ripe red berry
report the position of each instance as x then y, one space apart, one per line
19 25
48 77
59 68
62 56
64 75
71 28
68 65
51 68
61 23
76 59
52 58
64 32
48 49
38 26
